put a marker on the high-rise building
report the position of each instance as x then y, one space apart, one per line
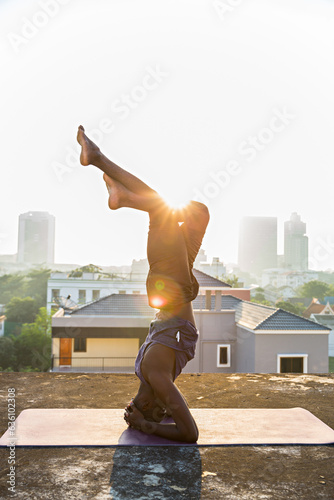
295 244
36 238
257 244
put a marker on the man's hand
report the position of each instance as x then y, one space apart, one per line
136 420
133 417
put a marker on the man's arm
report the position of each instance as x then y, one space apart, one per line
184 429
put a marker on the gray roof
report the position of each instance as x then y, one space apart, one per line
260 317
117 305
251 315
248 314
206 280
284 320
227 302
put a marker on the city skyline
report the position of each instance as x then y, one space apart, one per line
232 108
248 224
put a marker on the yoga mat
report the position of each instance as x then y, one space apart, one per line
104 427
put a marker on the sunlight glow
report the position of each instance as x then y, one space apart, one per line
176 202
157 302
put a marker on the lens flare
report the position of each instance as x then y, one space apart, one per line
157 302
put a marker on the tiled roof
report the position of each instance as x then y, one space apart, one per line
117 305
206 280
313 308
248 314
260 317
227 302
283 320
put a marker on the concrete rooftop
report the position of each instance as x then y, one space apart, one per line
233 472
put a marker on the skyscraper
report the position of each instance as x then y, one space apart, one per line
36 238
295 244
257 244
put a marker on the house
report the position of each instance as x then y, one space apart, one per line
247 337
103 335
324 315
315 307
235 336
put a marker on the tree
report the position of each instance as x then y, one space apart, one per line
232 280
21 310
90 268
315 289
11 285
36 285
42 323
33 346
7 353
293 308
259 298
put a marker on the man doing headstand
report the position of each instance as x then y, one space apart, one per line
174 239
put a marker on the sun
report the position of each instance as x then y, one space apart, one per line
176 202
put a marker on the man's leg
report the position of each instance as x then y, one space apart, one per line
125 189
91 155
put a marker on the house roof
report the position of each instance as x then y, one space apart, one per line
284 320
117 305
227 302
205 280
314 308
248 314
260 317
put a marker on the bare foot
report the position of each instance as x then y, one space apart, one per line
89 151
119 196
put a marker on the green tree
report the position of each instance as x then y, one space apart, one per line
259 298
90 268
7 353
288 306
11 285
36 285
21 310
33 346
231 280
41 324
314 288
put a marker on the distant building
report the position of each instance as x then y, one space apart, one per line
295 244
257 244
284 277
324 315
36 238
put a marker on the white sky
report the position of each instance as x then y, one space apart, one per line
224 75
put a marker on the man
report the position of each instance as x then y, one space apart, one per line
174 240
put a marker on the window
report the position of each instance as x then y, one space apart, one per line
55 293
292 363
96 294
122 292
82 296
223 355
136 292
80 345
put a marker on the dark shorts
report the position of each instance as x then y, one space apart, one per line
171 251
177 333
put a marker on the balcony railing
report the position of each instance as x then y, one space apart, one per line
93 364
